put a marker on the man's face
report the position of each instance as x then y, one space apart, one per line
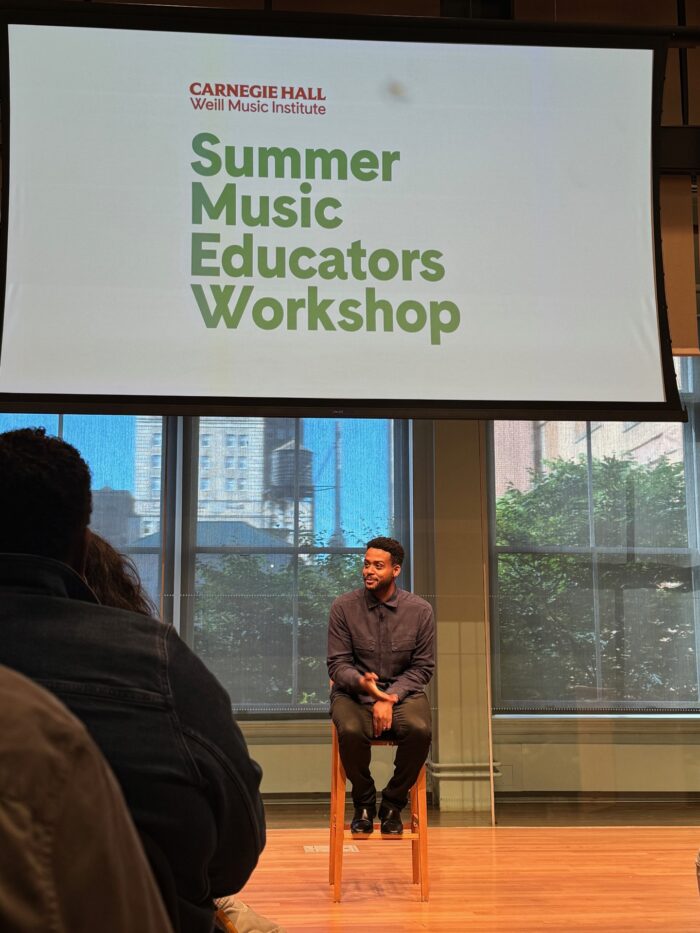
378 572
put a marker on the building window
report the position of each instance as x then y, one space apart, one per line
230 440
204 440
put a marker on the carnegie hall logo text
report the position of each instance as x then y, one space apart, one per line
258 98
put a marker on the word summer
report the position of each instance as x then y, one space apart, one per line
232 304
274 162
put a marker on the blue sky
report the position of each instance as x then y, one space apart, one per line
108 444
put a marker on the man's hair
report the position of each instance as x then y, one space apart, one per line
45 499
391 545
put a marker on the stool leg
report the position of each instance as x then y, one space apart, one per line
415 846
334 791
422 806
338 818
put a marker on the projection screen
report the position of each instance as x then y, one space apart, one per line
347 225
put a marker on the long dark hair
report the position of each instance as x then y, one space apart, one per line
114 579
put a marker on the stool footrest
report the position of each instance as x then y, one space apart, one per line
377 837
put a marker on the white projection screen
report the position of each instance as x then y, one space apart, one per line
387 217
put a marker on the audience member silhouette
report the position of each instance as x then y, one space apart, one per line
160 718
114 579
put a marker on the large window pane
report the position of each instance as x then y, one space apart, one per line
541 483
545 628
284 507
595 564
121 452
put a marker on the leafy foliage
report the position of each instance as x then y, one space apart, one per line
255 614
586 614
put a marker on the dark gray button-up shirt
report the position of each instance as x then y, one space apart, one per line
394 639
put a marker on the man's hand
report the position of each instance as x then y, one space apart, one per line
382 714
368 684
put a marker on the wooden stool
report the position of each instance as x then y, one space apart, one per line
417 835
223 922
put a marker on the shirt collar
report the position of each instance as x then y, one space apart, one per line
373 602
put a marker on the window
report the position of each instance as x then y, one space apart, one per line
257 557
126 497
265 569
155 461
594 566
230 440
229 463
242 463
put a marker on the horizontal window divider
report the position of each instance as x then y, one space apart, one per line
644 729
595 549
274 549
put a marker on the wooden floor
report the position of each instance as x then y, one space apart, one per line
511 880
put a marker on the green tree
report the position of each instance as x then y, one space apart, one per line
549 596
254 613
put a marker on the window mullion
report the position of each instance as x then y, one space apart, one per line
594 565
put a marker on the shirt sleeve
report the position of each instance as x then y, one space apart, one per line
419 672
341 668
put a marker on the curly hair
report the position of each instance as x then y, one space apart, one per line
392 546
45 499
114 579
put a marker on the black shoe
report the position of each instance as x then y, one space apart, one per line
362 820
391 820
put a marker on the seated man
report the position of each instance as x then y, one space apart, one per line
380 659
162 721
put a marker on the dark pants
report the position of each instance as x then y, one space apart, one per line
410 729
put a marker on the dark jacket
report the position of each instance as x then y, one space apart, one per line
163 722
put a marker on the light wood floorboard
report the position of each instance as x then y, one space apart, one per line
510 880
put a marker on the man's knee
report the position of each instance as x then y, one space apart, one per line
422 733
415 731
351 730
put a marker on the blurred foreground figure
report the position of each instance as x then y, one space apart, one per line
161 719
114 579
70 858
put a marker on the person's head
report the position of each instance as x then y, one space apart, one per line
45 499
114 579
382 565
